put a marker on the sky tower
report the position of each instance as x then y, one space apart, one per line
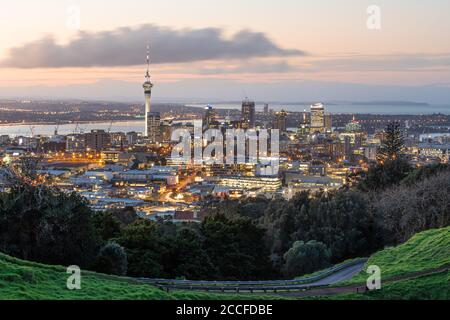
148 85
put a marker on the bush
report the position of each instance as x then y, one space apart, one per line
304 258
112 259
407 210
47 225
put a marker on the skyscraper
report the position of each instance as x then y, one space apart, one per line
280 121
209 118
97 140
248 113
328 121
317 118
154 127
304 125
148 85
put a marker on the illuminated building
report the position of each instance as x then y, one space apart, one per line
75 143
248 113
317 118
328 122
97 140
280 121
265 184
153 127
209 117
304 125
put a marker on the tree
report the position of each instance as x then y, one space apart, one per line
144 247
47 225
236 248
384 175
107 225
408 209
192 260
112 259
344 222
305 258
393 143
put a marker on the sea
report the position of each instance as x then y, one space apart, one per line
138 125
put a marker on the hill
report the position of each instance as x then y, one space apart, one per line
425 251
22 280
428 250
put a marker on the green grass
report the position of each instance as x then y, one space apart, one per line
24 280
427 250
432 287
424 251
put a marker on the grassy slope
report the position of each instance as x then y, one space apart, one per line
424 251
433 287
28 280
427 250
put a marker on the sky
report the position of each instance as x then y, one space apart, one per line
267 49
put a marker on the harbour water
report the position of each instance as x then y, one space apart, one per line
138 125
49 129
414 109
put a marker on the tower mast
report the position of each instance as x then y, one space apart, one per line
148 85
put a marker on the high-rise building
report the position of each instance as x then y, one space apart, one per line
209 117
75 142
98 140
153 127
166 130
317 118
280 121
148 85
304 125
132 138
248 113
328 122
266 108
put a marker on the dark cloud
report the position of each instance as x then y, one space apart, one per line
126 47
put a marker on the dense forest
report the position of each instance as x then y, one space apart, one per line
249 239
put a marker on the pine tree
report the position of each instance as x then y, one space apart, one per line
393 143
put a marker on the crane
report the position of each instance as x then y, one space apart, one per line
56 129
110 126
32 131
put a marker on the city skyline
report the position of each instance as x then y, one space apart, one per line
305 58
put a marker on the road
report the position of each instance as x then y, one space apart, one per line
342 273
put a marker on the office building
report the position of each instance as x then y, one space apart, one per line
248 113
317 118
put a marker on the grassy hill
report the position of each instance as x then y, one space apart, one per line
29 280
432 287
425 251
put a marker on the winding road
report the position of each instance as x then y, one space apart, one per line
328 277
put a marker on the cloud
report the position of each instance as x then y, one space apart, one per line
249 67
394 62
127 46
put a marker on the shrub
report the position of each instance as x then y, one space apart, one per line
112 259
305 258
